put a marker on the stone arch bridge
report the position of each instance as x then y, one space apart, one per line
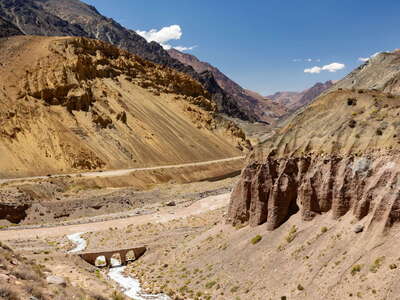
134 252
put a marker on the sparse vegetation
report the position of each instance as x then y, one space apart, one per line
356 269
8 292
210 284
292 234
256 239
117 296
377 263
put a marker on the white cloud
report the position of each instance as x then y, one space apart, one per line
164 35
182 48
313 70
305 60
333 67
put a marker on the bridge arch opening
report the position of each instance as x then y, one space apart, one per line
116 260
130 255
100 261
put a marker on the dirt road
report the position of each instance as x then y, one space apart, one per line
166 215
122 172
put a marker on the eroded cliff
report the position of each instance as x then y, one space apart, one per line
339 156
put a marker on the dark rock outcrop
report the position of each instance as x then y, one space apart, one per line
8 29
14 205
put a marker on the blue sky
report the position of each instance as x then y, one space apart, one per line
264 45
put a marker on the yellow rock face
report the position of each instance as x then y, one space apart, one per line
78 104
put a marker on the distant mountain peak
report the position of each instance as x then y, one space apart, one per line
296 100
264 109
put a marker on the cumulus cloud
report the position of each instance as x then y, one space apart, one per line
313 70
164 36
333 67
363 59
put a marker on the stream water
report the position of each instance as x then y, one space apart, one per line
130 286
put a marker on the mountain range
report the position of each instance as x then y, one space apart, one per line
75 18
295 100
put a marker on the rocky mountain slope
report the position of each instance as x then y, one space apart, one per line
380 72
338 156
296 100
322 201
80 104
8 29
75 18
265 109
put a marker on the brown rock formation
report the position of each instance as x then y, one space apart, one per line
76 103
340 155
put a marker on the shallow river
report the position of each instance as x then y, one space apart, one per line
129 285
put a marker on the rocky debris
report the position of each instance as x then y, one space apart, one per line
4 278
171 203
122 117
22 278
358 228
57 280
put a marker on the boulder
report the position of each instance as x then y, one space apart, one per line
57 280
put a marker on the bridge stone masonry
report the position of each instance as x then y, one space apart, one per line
91 257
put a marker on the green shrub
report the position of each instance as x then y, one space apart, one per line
210 284
256 239
292 234
377 263
355 269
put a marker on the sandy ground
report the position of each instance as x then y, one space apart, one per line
165 215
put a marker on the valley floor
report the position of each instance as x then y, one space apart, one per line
193 254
